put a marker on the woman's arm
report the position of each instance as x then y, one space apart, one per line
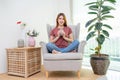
70 38
53 38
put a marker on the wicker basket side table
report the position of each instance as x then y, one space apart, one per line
24 61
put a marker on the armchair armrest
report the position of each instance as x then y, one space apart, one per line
81 47
43 45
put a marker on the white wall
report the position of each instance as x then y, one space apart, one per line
36 13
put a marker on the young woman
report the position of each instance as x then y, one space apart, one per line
61 37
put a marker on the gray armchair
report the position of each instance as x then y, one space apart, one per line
64 61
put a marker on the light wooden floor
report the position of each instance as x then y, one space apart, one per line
86 74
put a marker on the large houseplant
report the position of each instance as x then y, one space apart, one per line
98 29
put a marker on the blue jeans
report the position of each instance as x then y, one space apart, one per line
72 46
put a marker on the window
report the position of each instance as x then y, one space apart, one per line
112 45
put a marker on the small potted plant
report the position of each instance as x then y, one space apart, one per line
31 40
98 29
32 33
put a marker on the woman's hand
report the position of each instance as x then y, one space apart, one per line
63 33
59 33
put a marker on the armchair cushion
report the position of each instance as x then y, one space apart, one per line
63 56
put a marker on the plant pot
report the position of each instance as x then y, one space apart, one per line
100 63
31 42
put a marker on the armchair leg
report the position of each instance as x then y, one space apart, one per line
78 73
46 74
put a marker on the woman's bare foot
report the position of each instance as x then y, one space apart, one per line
55 52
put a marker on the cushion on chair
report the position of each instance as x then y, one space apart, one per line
63 56
75 30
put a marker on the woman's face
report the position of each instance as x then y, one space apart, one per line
61 20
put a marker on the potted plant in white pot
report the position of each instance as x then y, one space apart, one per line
31 39
98 29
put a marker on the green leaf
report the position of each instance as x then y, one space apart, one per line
107 26
91 3
93 7
91 49
92 13
107 16
90 35
105 12
111 1
98 48
98 26
105 33
107 8
89 22
90 28
101 39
